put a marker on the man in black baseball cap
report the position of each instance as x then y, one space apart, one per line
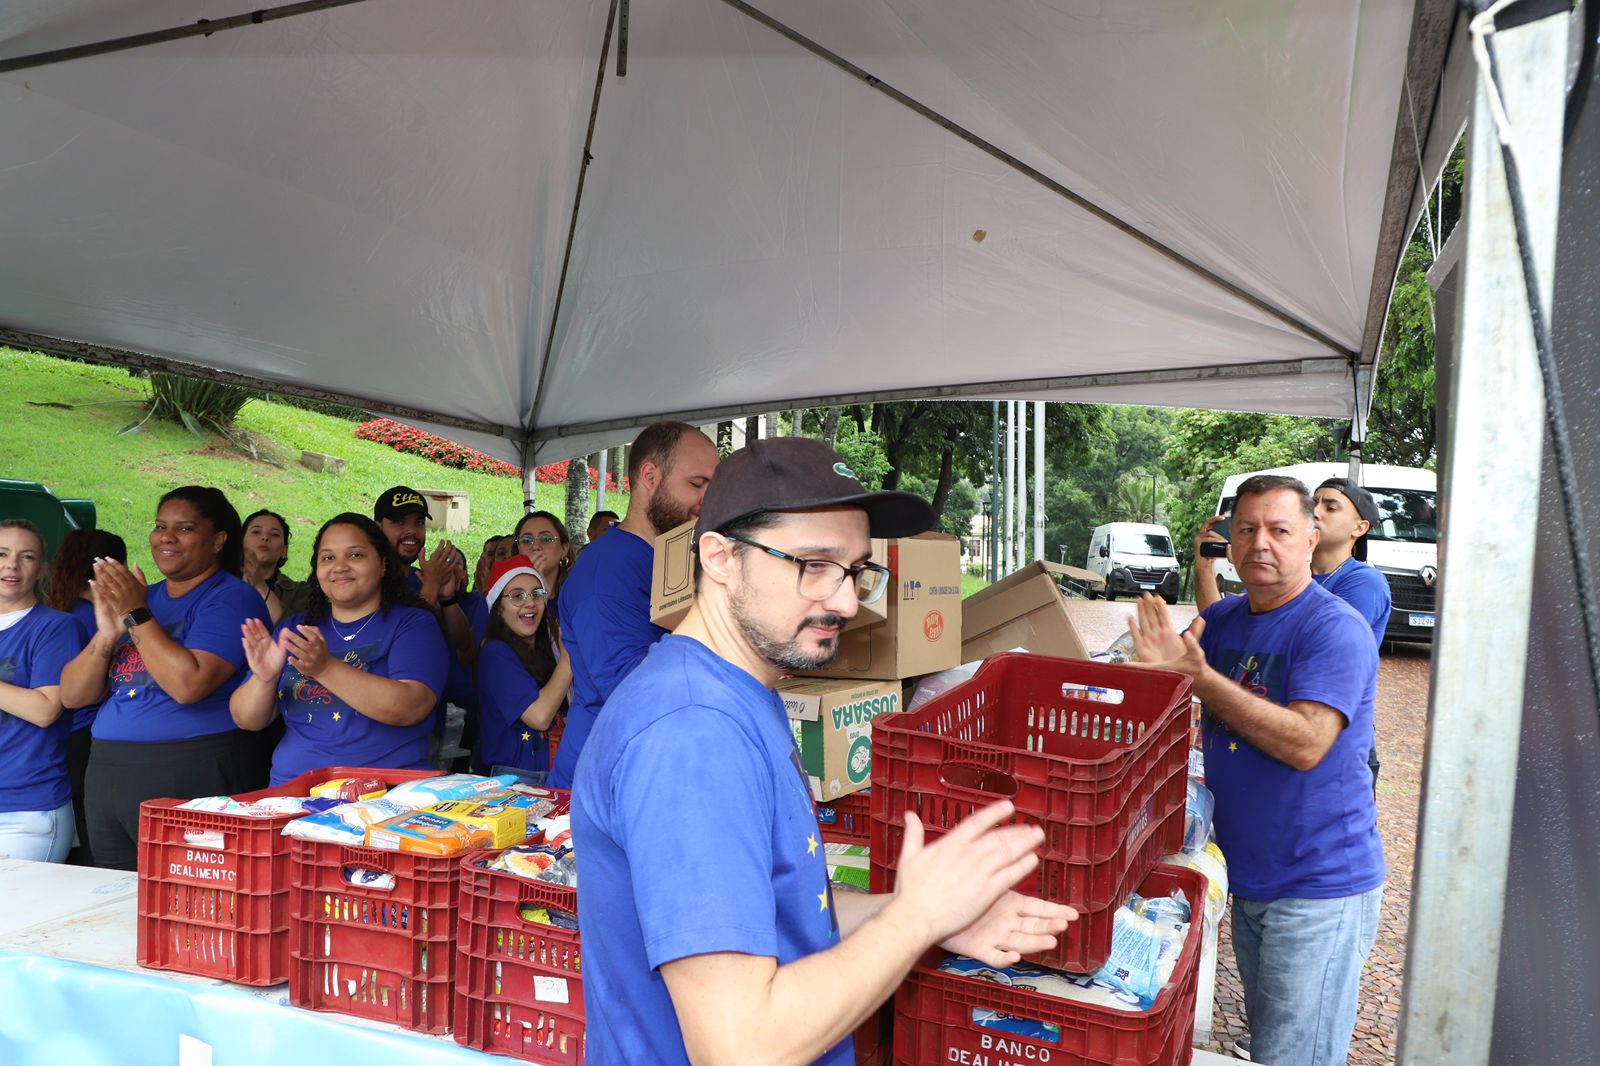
439 579
783 542
1345 514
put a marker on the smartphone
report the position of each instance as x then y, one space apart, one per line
1213 550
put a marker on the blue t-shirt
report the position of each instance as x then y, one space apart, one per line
606 627
1287 833
1364 588
402 644
33 761
206 618
740 869
83 611
505 688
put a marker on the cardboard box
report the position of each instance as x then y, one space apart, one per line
922 633
672 580
832 723
1025 610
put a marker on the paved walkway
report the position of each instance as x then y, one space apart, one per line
1402 714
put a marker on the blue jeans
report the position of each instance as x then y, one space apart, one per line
38 836
1300 962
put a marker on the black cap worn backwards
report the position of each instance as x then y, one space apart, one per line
800 474
1364 504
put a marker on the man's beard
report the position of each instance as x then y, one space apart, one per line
785 654
664 512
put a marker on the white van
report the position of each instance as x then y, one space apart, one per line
1403 545
1134 557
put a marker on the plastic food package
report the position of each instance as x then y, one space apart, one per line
346 823
430 790
557 831
539 862
1078 988
938 684
1146 940
1209 862
1199 806
268 807
426 833
849 867
350 789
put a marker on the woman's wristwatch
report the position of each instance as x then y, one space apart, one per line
137 616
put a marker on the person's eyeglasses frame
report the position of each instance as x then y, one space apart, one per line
852 573
526 595
530 539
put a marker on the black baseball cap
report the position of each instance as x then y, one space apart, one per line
1364 504
801 474
394 504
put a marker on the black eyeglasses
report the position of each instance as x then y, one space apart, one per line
821 578
541 538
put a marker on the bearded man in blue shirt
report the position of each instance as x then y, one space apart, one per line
708 920
1287 675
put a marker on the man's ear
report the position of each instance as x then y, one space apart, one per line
716 557
1363 527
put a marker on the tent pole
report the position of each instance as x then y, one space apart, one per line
1022 484
600 493
1038 479
1492 485
202 28
994 492
1011 496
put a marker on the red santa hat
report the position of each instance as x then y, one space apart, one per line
505 570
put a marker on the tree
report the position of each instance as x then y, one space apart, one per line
961 504
1402 429
830 426
578 500
1207 446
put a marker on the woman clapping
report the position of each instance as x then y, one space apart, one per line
356 677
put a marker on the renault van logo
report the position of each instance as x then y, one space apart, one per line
1429 576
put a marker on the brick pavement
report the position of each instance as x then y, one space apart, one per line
1402 712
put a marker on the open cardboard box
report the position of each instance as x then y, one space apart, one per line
1024 610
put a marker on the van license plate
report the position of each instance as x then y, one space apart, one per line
1147 588
1422 621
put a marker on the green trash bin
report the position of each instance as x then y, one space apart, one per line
55 516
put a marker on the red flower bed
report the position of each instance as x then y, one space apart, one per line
403 438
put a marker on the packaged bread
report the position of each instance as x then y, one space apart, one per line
350 789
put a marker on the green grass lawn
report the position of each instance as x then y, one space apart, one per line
78 453
971 583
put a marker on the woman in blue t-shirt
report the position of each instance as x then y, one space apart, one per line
67 590
162 663
35 643
515 666
357 676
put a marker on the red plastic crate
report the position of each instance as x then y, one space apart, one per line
519 984
1105 780
933 1010
847 820
224 912
383 953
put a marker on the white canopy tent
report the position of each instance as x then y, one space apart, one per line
797 202
790 202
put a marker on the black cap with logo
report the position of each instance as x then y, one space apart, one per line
1364 504
800 474
394 504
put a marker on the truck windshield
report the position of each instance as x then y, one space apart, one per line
1405 514
1144 544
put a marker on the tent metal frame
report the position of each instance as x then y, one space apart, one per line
201 28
